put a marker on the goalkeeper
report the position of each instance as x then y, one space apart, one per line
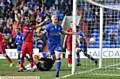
42 62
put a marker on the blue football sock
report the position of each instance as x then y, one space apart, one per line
18 61
58 65
78 60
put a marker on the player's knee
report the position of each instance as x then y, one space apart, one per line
78 50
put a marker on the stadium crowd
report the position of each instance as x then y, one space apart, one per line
11 12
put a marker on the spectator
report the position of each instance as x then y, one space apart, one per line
12 12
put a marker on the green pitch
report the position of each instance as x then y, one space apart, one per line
88 70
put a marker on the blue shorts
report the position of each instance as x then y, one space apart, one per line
19 48
53 48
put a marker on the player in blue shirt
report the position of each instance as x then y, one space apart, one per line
18 42
82 46
54 31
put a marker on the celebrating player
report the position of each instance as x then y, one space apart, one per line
54 31
3 46
27 45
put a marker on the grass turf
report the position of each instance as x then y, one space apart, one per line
5 70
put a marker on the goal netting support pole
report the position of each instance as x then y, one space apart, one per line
101 36
74 38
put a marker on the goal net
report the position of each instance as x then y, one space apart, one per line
101 24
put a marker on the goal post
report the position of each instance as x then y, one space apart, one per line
101 36
74 38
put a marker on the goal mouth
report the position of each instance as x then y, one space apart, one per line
110 4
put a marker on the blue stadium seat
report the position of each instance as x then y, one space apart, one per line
112 46
106 42
118 46
93 46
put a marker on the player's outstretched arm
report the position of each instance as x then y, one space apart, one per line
42 23
69 33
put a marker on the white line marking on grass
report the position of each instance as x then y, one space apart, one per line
66 76
118 68
90 71
111 65
79 73
108 75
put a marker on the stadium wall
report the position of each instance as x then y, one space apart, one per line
106 53
95 52
12 53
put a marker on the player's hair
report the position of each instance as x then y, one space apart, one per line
53 16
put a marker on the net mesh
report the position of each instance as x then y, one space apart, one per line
90 25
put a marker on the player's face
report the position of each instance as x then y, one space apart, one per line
54 19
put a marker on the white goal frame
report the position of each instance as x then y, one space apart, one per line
102 6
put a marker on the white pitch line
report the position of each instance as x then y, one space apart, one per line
79 73
108 75
111 65
89 71
66 76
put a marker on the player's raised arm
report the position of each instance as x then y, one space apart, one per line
42 23
19 17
